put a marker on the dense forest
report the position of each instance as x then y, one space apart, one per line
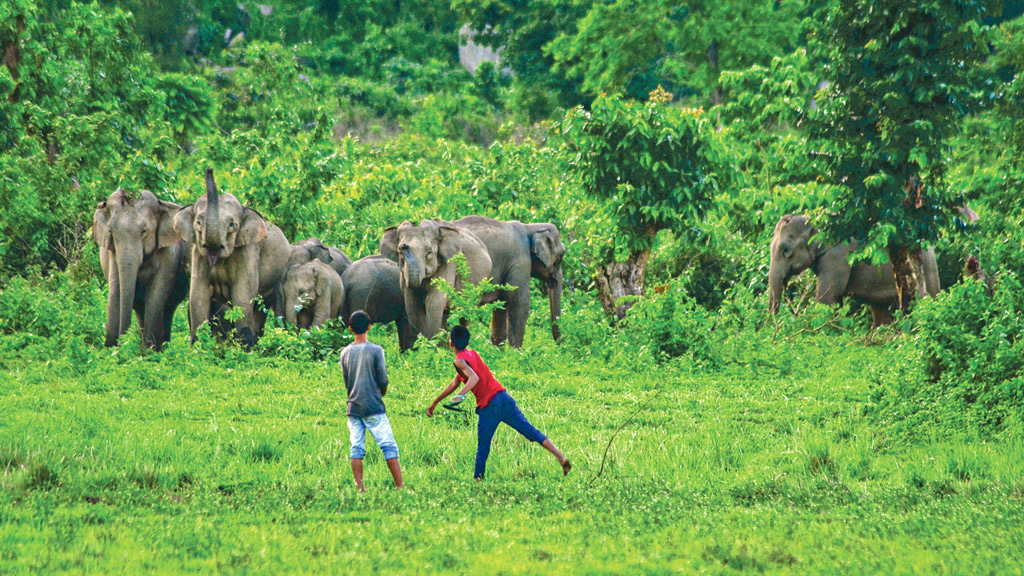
686 151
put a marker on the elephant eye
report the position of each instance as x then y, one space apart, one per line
232 226
403 247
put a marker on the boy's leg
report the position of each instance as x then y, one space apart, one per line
357 436
487 424
515 418
380 428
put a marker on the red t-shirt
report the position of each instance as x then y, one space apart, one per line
487 387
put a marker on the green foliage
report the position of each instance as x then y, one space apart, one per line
658 165
632 46
473 305
901 77
670 324
962 372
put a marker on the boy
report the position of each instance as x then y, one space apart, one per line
366 383
494 405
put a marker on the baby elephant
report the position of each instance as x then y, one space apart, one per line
313 294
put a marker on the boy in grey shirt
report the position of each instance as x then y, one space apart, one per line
366 383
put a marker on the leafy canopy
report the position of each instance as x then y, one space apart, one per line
902 75
657 166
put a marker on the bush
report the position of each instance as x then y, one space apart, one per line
669 322
962 370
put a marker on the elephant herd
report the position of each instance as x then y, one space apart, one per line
221 254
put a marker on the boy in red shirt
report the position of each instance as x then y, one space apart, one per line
494 405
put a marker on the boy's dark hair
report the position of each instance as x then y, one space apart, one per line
359 322
460 337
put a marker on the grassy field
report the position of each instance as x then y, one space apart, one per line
194 462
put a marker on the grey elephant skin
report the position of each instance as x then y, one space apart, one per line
373 285
313 249
793 251
313 294
144 263
236 256
423 253
518 252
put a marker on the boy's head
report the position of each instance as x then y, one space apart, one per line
459 337
359 322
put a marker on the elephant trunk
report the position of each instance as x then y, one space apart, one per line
291 315
413 270
128 262
113 306
555 299
776 281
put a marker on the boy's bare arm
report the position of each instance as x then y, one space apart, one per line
444 394
468 373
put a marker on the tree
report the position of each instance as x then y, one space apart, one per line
634 45
901 76
656 166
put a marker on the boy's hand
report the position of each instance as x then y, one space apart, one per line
430 410
457 399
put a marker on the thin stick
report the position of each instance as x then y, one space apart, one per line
604 458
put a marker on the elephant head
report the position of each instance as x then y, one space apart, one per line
423 251
310 287
546 253
792 252
129 228
218 223
314 249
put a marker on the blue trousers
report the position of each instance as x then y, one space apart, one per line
501 408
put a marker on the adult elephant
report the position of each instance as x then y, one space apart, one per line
144 263
793 251
373 285
546 254
312 293
424 253
516 251
313 249
236 256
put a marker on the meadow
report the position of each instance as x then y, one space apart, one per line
216 461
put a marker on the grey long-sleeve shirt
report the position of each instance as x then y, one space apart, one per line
366 378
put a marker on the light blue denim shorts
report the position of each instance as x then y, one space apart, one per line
380 429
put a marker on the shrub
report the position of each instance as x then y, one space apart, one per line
962 370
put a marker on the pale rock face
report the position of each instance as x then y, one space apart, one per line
471 55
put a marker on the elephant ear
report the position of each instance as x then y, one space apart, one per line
101 227
320 277
450 241
547 247
389 244
254 228
183 224
166 235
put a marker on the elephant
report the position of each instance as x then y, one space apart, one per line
144 262
546 254
423 253
236 256
793 251
313 294
518 252
314 249
373 285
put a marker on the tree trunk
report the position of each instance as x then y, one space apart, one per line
12 56
716 91
618 279
906 267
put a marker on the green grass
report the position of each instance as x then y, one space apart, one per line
201 462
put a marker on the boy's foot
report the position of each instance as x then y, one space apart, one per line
566 467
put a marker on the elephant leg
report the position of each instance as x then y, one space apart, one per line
880 316
518 305
436 302
499 326
199 297
406 336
